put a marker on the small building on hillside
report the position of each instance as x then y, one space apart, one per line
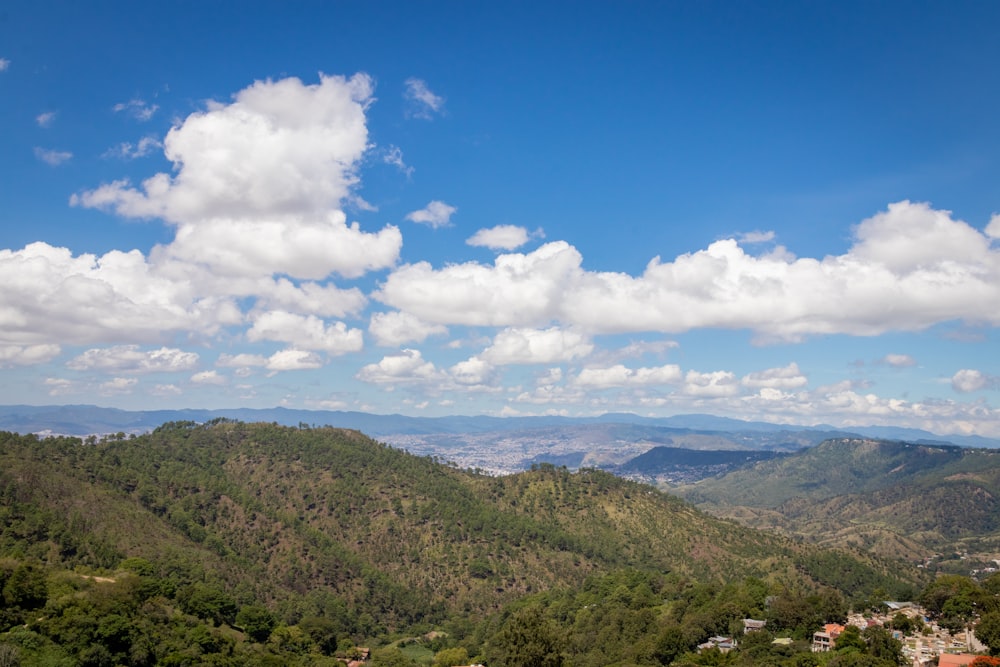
826 639
751 625
724 644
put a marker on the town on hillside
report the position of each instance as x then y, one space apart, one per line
924 642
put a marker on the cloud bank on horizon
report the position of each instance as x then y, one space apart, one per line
265 289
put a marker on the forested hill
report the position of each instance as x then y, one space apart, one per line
245 543
277 514
888 496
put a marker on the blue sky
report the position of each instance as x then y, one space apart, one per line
770 210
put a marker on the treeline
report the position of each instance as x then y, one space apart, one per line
61 618
628 617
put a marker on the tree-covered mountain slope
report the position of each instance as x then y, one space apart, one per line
275 515
891 497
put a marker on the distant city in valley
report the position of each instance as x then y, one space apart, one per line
500 446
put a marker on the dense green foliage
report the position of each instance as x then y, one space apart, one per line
231 543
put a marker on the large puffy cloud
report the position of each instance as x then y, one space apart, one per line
533 346
517 290
993 228
280 147
714 384
473 372
913 237
293 360
786 377
132 359
911 267
27 355
51 296
407 366
282 360
969 380
259 183
410 368
255 197
306 332
303 248
622 376
395 328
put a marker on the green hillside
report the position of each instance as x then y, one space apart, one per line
890 497
326 526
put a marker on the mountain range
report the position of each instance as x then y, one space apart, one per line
496 444
890 497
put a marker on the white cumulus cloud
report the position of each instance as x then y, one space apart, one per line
537 346
209 378
517 290
786 377
293 360
993 228
243 360
254 199
395 328
305 332
621 376
50 296
27 355
436 214
714 384
503 237
117 386
898 360
930 267
969 380
133 359
407 366
258 183
472 372
45 119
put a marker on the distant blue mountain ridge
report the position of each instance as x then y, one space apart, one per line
83 420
